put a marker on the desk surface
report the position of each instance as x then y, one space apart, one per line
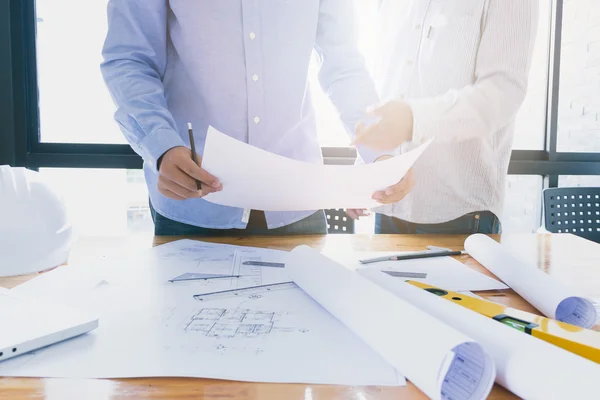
572 260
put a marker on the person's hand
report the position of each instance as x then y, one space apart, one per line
178 174
391 195
356 213
394 127
397 192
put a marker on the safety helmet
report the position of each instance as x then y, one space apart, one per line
35 232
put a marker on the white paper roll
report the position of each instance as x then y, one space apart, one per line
527 366
441 361
545 293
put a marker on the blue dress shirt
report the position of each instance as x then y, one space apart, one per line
238 65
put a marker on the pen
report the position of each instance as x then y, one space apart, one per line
194 156
413 256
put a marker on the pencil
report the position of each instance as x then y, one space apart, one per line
194 156
412 256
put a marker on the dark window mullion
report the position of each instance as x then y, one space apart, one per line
7 136
554 78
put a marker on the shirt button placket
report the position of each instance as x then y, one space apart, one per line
253 71
414 48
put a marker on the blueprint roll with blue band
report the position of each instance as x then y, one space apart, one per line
525 365
439 359
554 299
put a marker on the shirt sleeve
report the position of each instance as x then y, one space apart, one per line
492 102
134 62
344 75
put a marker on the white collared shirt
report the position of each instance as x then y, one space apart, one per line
463 66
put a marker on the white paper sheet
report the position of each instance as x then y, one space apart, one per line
151 328
443 272
256 179
545 293
158 265
527 366
438 359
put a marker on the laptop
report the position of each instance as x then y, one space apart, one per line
28 324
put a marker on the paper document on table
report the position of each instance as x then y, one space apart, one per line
443 272
441 361
152 327
255 179
161 265
544 292
527 366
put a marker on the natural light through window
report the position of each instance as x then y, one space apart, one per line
75 107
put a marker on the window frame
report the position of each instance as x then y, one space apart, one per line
20 143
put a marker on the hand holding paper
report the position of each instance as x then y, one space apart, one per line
256 179
179 173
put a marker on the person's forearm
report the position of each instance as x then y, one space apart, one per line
502 72
135 54
344 75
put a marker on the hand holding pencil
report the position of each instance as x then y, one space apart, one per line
181 176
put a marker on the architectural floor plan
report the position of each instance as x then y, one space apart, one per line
223 329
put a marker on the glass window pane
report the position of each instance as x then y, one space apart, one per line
522 207
579 181
530 125
104 202
579 103
74 104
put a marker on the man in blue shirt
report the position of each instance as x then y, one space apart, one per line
242 67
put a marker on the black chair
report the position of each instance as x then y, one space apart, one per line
339 222
573 210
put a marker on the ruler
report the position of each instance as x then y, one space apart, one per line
197 277
401 274
264 264
249 292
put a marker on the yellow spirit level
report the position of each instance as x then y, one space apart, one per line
583 342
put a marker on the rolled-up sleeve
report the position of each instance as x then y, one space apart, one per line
502 71
134 61
344 75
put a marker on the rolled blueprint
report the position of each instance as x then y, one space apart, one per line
529 367
441 361
544 292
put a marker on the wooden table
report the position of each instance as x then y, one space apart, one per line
572 260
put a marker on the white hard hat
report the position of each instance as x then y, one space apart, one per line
35 232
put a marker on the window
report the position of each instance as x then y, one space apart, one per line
50 59
579 181
522 206
579 107
74 103
530 125
103 202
